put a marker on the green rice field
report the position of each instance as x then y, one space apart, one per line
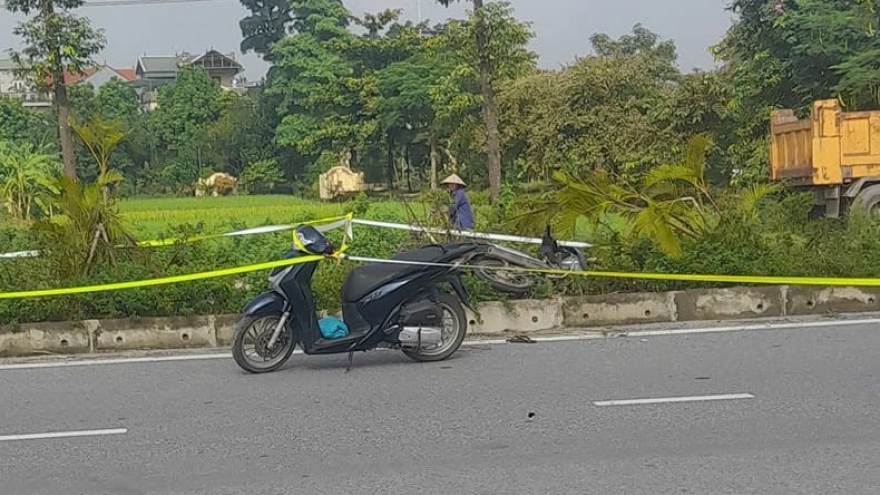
154 216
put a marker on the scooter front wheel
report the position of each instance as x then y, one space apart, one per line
250 344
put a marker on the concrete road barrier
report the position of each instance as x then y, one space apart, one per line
618 309
730 304
44 338
824 300
496 318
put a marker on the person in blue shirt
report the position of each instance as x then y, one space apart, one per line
460 214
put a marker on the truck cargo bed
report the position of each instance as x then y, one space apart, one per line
832 147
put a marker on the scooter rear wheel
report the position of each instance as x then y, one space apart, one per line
451 307
258 330
510 282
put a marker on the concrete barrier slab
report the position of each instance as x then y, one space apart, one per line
43 338
224 327
816 300
516 316
613 309
729 304
155 333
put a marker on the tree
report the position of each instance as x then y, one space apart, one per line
265 173
614 111
186 109
701 106
81 101
267 24
55 40
240 135
321 99
116 100
186 106
18 124
405 107
484 37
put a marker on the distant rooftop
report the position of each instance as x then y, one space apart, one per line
159 64
172 63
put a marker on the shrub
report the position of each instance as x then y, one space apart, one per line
782 243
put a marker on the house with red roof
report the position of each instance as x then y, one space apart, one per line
13 86
96 76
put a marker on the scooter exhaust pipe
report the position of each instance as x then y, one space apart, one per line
420 337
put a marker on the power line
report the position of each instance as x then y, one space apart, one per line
120 3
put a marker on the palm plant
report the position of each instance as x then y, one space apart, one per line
86 226
25 173
667 204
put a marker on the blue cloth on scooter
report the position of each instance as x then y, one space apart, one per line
332 328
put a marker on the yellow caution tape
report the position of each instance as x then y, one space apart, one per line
679 277
336 221
731 279
346 220
734 279
158 281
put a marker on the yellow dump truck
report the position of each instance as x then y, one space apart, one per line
834 153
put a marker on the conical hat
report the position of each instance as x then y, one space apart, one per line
453 179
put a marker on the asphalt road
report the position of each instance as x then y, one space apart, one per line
504 419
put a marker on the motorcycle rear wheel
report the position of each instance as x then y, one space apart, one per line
450 306
263 359
506 281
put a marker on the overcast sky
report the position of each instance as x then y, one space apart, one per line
562 27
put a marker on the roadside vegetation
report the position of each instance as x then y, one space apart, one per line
664 170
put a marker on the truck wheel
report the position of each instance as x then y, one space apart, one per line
869 200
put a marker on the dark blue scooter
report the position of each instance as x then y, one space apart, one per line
383 305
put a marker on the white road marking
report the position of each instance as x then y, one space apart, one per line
664 400
64 434
559 338
90 362
754 327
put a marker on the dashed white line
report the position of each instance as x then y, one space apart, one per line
64 434
665 400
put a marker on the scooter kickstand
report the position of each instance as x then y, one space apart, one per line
350 360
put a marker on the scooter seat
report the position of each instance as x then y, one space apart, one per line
364 279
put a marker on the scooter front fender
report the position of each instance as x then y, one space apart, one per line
514 257
269 303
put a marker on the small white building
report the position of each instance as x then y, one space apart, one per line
12 86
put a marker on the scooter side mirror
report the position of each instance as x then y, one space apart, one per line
549 246
311 240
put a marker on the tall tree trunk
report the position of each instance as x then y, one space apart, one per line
390 163
490 110
62 104
435 157
408 165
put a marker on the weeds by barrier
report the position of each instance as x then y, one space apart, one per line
346 221
732 279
